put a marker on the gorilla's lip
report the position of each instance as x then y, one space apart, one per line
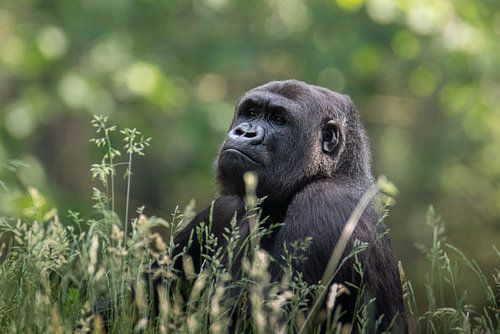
234 150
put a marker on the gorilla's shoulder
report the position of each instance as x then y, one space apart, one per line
329 201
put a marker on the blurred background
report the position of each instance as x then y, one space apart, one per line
423 73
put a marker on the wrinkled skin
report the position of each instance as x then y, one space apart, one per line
312 159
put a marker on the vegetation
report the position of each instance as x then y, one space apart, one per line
423 73
64 277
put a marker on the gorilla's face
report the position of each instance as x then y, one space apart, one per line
283 133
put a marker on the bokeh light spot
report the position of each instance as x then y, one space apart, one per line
216 4
455 97
426 18
381 11
350 5
12 51
33 174
211 88
366 60
142 78
463 37
331 78
109 54
405 45
287 16
73 90
52 42
423 81
19 121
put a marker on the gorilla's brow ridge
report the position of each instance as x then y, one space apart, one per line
263 98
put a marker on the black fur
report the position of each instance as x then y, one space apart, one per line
310 186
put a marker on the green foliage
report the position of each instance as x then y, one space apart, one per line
442 278
423 73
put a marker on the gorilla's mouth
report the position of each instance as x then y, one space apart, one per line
242 154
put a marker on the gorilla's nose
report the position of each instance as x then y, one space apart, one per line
245 132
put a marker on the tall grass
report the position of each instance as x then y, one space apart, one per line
67 273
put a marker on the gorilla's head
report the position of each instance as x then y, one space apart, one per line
291 133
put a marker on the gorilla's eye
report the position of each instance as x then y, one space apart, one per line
278 119
252 112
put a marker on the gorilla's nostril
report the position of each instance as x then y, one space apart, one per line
246 133
251 134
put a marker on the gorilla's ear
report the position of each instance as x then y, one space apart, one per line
329 136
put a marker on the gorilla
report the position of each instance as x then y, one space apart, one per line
311 156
